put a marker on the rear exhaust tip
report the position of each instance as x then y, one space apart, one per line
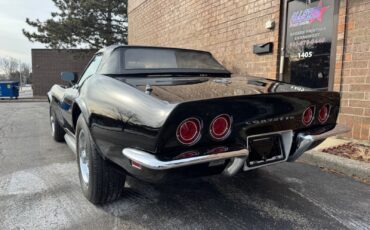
234 166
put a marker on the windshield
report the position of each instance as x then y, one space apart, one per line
154 58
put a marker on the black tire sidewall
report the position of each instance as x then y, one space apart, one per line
105 182
58 133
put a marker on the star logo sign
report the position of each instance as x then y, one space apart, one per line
318 12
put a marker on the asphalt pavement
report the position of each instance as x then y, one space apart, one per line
39 189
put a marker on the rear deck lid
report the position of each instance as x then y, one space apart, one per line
176 90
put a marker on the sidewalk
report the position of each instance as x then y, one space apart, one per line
354 168
19 100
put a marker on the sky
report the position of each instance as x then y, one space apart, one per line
13 14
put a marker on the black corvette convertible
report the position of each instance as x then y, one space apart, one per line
158 113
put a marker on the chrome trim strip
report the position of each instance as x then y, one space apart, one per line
71 142
150 161
305 141
69 133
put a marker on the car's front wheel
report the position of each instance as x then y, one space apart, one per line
57 131
100 181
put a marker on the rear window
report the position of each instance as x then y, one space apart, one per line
147 58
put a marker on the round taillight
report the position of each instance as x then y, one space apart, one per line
188 132
220 127
308 115
324 113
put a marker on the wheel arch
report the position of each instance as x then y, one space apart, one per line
50 97
78 108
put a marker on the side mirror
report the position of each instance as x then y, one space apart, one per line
70 77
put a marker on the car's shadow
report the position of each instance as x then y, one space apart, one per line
248 200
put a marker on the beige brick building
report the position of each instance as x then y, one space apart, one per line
335 35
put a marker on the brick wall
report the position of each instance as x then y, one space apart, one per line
352 76
47 64
228 29
134 4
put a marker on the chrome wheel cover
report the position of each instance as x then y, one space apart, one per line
83 157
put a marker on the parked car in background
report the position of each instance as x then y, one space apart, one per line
160 113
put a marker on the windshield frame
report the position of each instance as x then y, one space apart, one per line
114 65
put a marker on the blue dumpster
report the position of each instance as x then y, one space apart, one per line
9 89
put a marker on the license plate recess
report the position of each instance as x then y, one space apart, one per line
265 149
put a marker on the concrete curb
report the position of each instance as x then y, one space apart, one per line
343 165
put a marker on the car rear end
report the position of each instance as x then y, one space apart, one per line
216 123
235 133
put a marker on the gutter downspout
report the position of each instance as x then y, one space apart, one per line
344 45
283 40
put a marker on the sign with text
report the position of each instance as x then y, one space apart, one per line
308 42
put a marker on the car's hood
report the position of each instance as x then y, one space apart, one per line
221 87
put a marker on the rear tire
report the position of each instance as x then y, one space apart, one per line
57 131
100 181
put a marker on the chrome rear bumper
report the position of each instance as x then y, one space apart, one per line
150 161
305 142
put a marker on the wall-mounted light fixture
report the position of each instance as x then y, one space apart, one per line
270 24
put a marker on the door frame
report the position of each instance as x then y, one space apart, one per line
334 40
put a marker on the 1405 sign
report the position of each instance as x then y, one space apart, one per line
305 55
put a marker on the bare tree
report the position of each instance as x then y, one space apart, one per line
15 70
25 71
2 77
9 66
